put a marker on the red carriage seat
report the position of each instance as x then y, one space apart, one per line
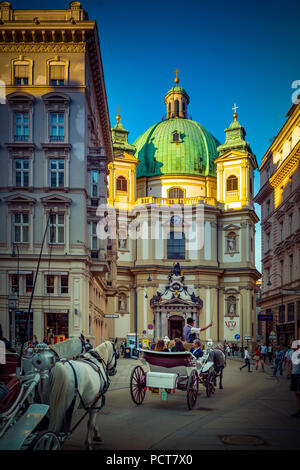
175 362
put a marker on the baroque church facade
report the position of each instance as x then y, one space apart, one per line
185 228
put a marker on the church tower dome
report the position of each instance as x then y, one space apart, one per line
176 101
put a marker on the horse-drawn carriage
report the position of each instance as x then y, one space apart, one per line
171 371
41 396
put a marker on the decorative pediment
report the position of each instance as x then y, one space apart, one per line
20 98
56 199
289 206
266 226
230 227
176 292
20 199
55 97
279 214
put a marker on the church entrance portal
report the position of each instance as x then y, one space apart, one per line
175 327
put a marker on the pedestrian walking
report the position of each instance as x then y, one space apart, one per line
270 352
295 377
228 350
264 351
259 358
288 361
279 355
247 359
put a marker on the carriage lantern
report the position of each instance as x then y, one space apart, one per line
44 359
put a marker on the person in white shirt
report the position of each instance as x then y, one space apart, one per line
247 359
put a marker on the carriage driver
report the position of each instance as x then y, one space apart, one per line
189 331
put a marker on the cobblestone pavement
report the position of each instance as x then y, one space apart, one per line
254 404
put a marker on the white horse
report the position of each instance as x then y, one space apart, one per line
69 348
82 384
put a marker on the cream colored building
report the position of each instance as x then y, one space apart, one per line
279 197
55 148
177 166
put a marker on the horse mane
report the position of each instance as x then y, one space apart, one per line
104 350
66 348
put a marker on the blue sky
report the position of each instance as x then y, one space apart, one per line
243 52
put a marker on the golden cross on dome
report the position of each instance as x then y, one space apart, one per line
118 117
235 107
176 79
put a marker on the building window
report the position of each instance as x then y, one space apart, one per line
28 283
175 137
57 75
21 227
57 229
175 193
94 189
268 275
176 108
121 184
176 245
21 127
21 74
14 283
94 238
57 127
64 284
251 186
291 268
251 244
57 173
281 231
268 208
232 183
281 313
291 223
282 271
49 284
291 312
268 236
268 173
21 170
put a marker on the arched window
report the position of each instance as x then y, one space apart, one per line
183 108
176 245
175 193
176 108
251 186
121 184
232 183
169 108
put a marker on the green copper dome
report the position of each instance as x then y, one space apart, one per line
176 147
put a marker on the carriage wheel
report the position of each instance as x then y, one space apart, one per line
46 440
137 385
210 384
192 390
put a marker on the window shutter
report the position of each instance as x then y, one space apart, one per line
57 72
21 71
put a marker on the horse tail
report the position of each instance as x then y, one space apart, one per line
58 391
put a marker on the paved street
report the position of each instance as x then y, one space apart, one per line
251 404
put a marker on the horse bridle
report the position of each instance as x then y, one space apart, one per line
113 370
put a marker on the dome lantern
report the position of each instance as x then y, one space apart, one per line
176 100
